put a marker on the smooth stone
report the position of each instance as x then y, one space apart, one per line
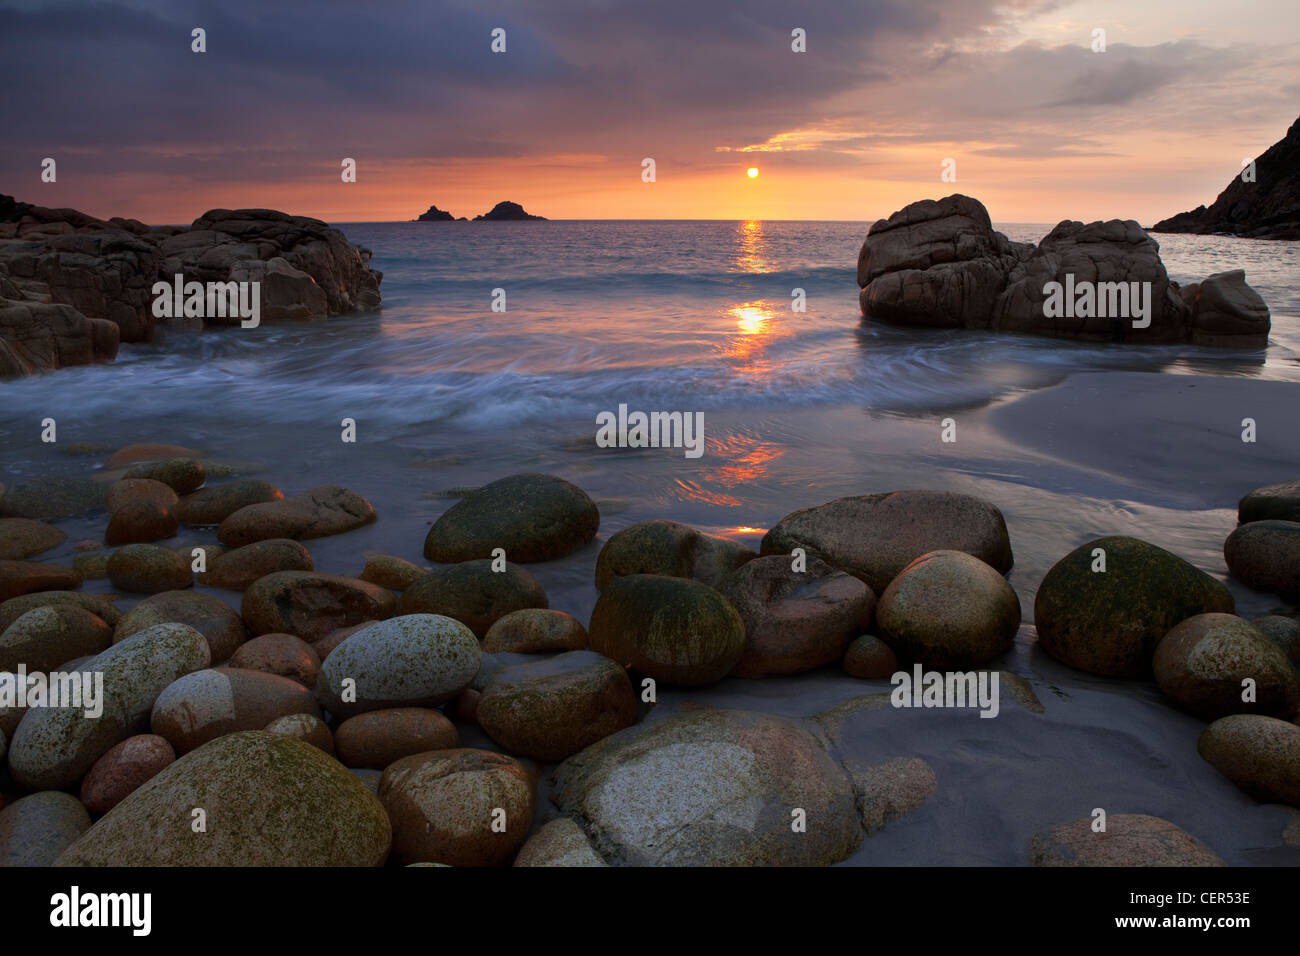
558 843
325 645
139 520
305 727
148 569
535 630
673 630
100 605
474 594
35 829
215 503
874 537
91 567
22 538
126 490
238 568
1265 556
270 800
1280 502
1110 622
376 739
949 610
391 572
533 517
892 789
46 637
795 621
207 704
53 748
280 654
711 788
23 577
216 620
1202 663
123 769
870 658
321 511
672 549
416 660
1130 839
310 605
1261 755
182 475
442 807
550 709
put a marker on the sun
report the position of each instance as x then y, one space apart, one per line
753 172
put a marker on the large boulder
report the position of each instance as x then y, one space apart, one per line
310 605
551 709
666 547
532 517
23 577
949 610
1280 502
22 538
940 263
1110 621
211 703
46 637
53 747
416 660
795 620
37 828
873 537
1203 663
711 788
216 620
673 630
1265 555
1261 755
267 799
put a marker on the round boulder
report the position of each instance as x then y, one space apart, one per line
474 594
669 548
1203 662
535 630
533 517
949 610
216 620
551 709
1261 755
416 660
310 605
139 489
1265 556
795 621
269 800
148 569
1280 502
25 538
139 520
458 807
281 654
123 769
182 475
868 658
1109 621
378 738
215 503
1130 839
237 569
305 727
211 703
46 637
36 829
674 630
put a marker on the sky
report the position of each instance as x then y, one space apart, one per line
1037 124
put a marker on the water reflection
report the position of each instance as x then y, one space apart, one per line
751 258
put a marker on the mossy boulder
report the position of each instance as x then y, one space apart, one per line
218 622
269 800
533 517
310 605
474 594
669 548
1265 556
674 630
1109 622
46 637
1261 755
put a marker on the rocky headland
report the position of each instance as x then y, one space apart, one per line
72 287
1265 205
940 263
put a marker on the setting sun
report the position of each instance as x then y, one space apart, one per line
753 172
